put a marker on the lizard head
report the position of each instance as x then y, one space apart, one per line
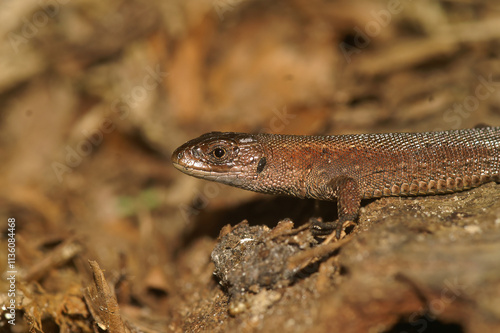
230 158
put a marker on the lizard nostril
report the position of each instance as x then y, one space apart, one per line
180 155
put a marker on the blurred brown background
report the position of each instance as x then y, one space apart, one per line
95 96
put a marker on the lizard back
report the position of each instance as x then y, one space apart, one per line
391 164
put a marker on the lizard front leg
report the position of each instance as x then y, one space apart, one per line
348 202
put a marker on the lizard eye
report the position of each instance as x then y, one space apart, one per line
219 152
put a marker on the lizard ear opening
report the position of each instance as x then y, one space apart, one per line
261 165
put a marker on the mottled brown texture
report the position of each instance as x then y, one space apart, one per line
346 167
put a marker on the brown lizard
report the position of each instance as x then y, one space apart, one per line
346 167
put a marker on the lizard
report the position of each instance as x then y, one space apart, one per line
346 168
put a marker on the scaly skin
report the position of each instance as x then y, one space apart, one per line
346 167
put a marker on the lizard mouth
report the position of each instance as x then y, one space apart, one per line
198 172
178 166
224 178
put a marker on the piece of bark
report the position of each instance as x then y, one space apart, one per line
102 302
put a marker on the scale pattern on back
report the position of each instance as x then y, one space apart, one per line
392 164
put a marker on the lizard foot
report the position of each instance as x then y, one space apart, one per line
320 228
